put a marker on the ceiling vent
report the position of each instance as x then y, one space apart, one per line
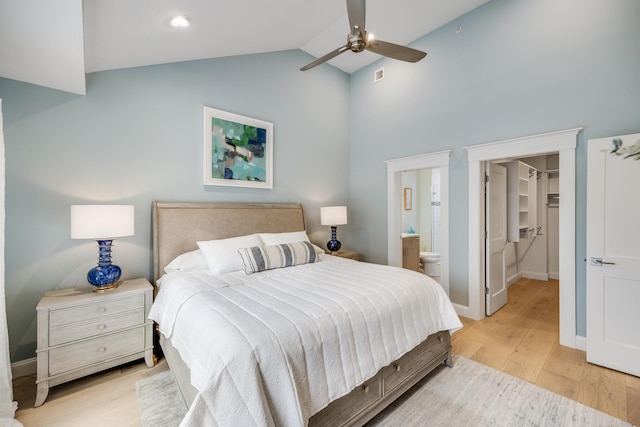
378 75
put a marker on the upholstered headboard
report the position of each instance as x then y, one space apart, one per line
178 226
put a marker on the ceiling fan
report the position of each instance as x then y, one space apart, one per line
359 40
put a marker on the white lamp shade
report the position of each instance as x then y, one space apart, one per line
333 215
101 221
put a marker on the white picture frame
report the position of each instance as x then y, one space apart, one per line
237 150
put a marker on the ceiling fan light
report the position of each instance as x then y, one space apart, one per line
181 21
370 36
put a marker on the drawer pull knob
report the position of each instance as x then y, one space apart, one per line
102 326
397 368
365 389
102 349
440 339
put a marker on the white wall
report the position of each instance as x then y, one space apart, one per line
410 217
532 251
424 207
553 227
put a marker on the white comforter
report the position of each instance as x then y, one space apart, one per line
273 348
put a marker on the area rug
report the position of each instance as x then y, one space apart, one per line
160 402
470 394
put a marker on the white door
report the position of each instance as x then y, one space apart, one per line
613 256
496 227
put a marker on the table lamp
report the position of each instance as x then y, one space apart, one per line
333 216
102 223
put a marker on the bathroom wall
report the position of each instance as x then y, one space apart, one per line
426 218
420 217
410 217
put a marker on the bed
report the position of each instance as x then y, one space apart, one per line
319 374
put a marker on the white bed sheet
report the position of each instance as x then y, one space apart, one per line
274 348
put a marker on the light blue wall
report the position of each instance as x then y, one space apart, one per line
137 136
517 68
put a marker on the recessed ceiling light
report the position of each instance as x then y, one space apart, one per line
181 21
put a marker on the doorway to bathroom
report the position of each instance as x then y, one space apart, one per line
398 199
422 221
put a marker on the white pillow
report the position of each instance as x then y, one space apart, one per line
188 261
280 238
222 255
269 239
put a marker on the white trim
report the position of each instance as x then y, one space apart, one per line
461 310
24 367
567 245
565 143
476 241
395 167
581 343
526 146
513 279
421 161
7 405
534 275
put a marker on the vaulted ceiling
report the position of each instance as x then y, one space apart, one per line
54 43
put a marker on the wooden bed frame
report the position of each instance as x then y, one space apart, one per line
176 229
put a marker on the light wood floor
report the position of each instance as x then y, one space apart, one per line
105 399
521 339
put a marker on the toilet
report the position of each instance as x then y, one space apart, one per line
431 263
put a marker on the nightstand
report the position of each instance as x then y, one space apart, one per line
81 332
343 253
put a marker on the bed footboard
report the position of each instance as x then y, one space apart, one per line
369 399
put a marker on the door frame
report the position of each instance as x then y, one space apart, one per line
395 167
563 142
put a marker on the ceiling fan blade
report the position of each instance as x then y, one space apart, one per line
325 58
395 51
356 9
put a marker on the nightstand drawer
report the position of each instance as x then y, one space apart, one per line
107 307
85 353
101 325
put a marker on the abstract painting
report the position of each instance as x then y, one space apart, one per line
238 150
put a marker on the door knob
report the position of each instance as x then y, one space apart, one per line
598 261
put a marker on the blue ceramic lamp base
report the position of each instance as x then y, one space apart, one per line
106 275
334 244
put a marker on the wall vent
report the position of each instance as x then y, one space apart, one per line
378 75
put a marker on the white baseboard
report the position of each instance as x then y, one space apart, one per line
24 368
536 276
555 276
462 310
513 279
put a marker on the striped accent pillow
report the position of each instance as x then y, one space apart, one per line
261 258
